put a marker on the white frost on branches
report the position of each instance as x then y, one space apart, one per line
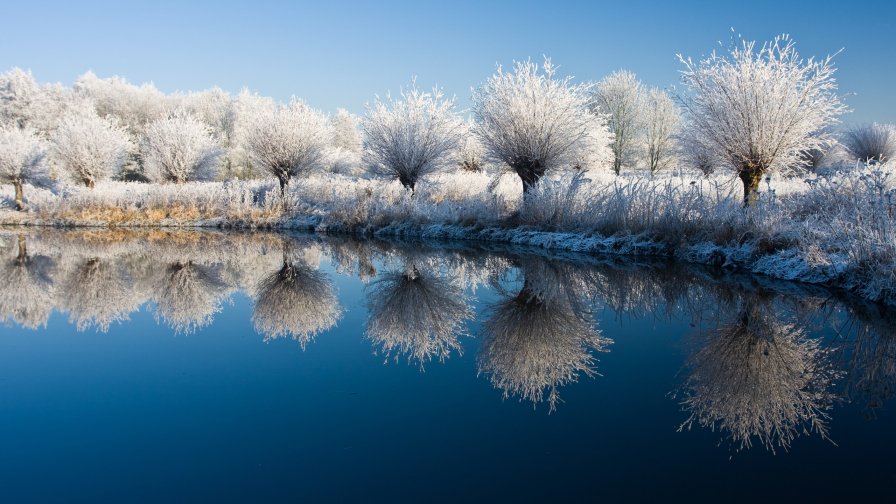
179 149
412 136
22 160
620 96
535 122
761 109
90 148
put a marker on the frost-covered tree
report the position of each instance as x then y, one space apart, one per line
216 108
90 148
296 301
695 152
621 98
346 132
412 136
472 154
870 142
535 122
95 292
179 148
761 109
417 314
25 103
133 106
22 160
287 141
662 120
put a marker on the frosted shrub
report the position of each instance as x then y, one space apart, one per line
412 136
90 148
537 123
871 142
287 141
178 149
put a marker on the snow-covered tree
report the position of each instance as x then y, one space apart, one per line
761 109
621 98
871 142
179 148
412 136
417 314
216 108
22 160
472 153
188 295
133 106
95 292
287 141
346 133
535 122
90 148
695 152
25 103
662 120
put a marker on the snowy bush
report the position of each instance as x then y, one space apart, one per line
415 135
537 123
871 142
178 149
287 141
90 148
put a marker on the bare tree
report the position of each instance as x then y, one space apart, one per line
761 110
620 97
871 142
412 136
535 122
416 313
179 148
22 160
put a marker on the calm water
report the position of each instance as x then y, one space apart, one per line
158 366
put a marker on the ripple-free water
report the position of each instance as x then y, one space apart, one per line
159 366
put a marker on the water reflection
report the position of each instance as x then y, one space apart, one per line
416 313
542 337
768 362
295 301
757 377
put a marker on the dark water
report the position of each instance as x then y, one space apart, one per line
175 366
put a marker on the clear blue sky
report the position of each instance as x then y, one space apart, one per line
335 53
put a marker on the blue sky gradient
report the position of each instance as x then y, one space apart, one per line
340 54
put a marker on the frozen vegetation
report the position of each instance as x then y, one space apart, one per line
746 166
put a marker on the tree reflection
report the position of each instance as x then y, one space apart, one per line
189 295
27 294
543 337
759 378
296 301
418 314
96 293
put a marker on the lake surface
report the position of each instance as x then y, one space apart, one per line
175 366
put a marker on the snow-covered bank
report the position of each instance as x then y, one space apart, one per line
836 230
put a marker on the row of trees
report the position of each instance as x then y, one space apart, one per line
752 110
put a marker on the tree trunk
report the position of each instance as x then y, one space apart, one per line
617 166
408 182
23 250
20 198
90 183
751 175
530 172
